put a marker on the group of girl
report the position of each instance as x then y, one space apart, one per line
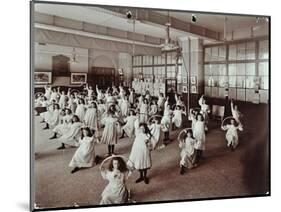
77 120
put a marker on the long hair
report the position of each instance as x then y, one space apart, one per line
94 104
76 117
88 131
199 114
146 129
122 166
188 131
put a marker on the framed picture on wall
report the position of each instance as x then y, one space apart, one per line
42 77
78 78
193 89
184 89
193 80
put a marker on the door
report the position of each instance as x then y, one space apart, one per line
102 76
61 66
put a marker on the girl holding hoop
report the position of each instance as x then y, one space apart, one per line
140 157
144 111
109 135
117 173
235 113
232 132
177 116
91 118
84 156
188 151
156 132
199 135
128 128
205 110
166 120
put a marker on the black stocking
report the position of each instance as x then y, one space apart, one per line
112 149
109 149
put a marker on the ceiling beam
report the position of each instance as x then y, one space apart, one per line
55 23
152 17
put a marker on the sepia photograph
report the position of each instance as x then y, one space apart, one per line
142 105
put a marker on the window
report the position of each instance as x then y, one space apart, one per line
246 65
232 52
263 72
263 49
250 51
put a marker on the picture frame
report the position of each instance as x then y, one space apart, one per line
193 80
193 89
175 85
78 78
41 78
184 89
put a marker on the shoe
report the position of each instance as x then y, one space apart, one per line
182 171
61 147
45 128
42 121
146 180
139 180
53 137
75 170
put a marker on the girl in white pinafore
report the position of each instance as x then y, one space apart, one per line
91 118
140 157
47 114
205 110
193 114
71 136
125 106
188 152
153 109
161 102
144 111
48 91
232 134
156 134
101 113
62 100
53 118
131 96
80 110
235 113
109 136
54 95
84 157
117 173
100 95
166 120
128 128
177 118
199 135
63 127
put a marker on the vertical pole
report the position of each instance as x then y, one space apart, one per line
188 76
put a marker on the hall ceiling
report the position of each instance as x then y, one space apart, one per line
208 26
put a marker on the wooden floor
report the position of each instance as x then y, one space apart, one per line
221 174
